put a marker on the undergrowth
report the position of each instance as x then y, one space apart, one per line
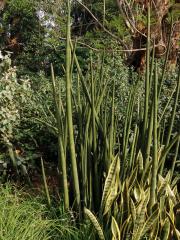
27 217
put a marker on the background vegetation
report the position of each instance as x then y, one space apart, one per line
91 123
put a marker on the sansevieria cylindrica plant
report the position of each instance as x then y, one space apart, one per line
139 198
119 179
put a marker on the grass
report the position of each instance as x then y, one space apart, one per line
25 217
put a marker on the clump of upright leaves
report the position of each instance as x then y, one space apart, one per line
141 202
28 218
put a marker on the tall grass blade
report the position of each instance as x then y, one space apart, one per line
112 130
166 106
45 183
126 133
133 150
69 110
94 140
166 151
147 90
62 159
169 134
154 171
166 58
174 159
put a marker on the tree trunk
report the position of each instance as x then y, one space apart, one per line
2 4
160 30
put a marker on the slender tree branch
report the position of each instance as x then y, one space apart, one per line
111 50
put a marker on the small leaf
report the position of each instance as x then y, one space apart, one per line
110 199
115 230
140 162
140 216
150 222
176 232
154 233
133 211
165 230
109 181
95 223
